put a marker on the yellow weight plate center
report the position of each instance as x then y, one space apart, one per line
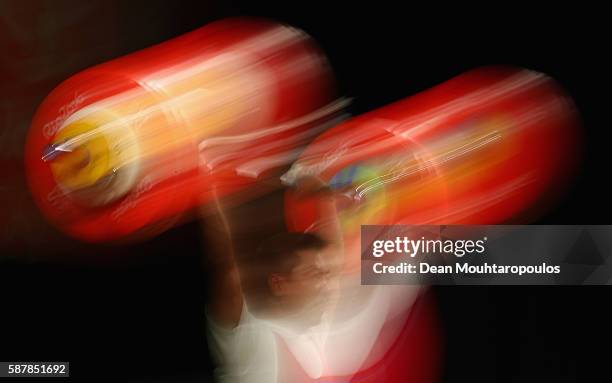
88 162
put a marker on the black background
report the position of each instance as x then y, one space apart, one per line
136 312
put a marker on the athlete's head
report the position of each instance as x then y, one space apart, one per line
292 271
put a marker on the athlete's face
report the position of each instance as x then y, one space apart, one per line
310 276
306 289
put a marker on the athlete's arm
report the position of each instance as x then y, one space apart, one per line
327 226
227 300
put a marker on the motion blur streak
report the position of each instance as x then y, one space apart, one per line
479 149
126 147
